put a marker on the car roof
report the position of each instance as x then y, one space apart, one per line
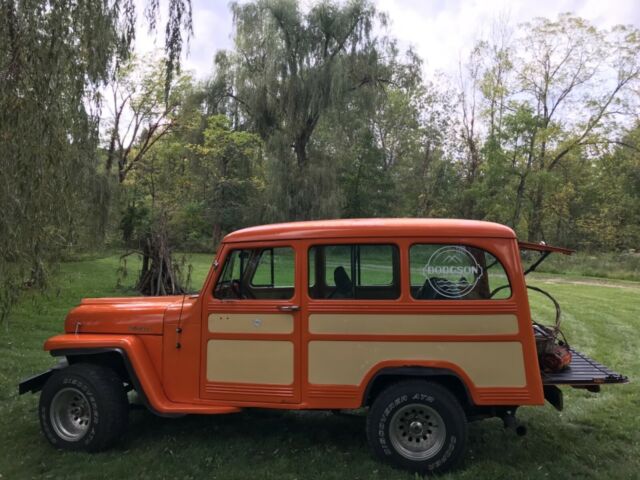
371 227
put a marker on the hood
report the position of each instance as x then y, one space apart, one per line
132 315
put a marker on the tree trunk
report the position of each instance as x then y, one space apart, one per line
518 203
537 216
217 234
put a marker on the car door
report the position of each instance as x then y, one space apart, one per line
251 327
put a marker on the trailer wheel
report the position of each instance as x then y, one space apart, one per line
417 426
83 407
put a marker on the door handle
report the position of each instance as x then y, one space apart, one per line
288 308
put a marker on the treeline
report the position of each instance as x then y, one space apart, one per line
313 115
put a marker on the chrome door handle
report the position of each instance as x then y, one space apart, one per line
288 308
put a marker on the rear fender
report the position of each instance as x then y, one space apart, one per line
387 375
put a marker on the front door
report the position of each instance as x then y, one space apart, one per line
251 327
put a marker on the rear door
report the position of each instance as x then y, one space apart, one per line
251 327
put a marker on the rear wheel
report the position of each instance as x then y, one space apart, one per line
417 426
83 407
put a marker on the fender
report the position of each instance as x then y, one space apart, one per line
138 365
414 371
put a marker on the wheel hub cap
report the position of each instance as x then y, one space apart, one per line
70 414
416 428
417 432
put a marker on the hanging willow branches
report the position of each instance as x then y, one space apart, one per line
54 57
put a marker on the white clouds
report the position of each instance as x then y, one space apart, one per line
212 26
441 31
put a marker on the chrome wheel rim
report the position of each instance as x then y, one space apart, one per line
70 414
417 432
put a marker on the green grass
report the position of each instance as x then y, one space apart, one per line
596 436
622 265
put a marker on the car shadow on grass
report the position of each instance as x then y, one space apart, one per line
288 443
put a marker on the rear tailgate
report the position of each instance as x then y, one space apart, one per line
581 372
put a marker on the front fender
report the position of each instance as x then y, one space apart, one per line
139 366
134 356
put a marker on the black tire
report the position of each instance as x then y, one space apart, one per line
84 407
424 442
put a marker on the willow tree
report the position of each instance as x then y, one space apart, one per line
288 68
54 57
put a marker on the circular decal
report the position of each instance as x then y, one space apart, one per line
452 271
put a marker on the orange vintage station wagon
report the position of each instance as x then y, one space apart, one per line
426 323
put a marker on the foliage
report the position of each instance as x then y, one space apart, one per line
537 125
144 108
287 71
553 98
54 57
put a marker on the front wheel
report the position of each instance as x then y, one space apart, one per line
83 407
417 426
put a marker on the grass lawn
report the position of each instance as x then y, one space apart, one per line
596 436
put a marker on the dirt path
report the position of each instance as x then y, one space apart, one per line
600 282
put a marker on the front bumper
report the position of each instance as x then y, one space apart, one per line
35 383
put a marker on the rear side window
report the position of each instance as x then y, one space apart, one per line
354 272
256 274
456 272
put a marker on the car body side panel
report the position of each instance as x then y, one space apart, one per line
488 343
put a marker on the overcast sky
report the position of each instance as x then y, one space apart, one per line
440 31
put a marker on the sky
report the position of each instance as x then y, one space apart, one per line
440 31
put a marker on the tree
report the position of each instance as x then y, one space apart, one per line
54 57
144 108
287 70
566 75
233 163
555 92
609 216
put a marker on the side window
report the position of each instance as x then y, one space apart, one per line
275 268
257 274
456 272
354 272
336 257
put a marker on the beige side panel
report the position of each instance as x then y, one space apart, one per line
250 361
250 323
400 324
488 364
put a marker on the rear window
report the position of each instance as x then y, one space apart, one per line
456 272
